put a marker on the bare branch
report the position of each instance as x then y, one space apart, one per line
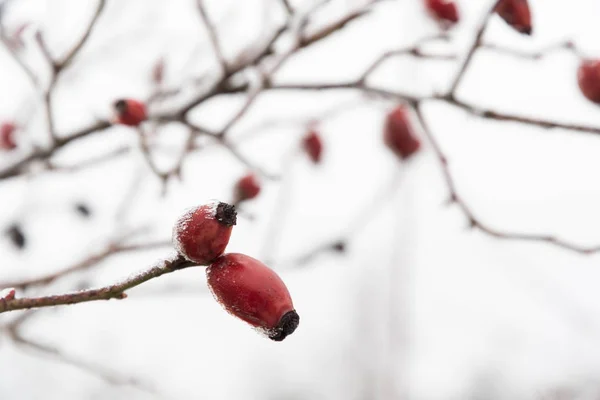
476 222
68 58
107 375
476 44
114 291
111 250
567 45
212 35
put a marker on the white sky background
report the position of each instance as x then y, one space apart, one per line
484 319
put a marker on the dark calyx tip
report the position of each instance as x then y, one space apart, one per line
226 214
286 326
527 30
120 106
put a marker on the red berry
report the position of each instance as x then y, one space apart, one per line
517 14
202 233
248 187
130 112
588 78
253 292
7 136
313 145
399 135
444 11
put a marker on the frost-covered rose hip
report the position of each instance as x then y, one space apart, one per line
517 14
130 112
247 187
253 292
202 233
588 78
313 145
399 135
444 11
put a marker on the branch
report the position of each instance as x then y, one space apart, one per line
567 45
476 44
115 291
212 36
107 375
476 222
88 262
75 50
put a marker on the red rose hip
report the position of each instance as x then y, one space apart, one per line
588 78
202 233
130 112
444 11
7 136
248 187
399 135
313 146
517 14
251 291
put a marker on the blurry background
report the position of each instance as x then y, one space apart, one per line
417 306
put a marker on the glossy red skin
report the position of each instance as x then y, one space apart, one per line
7 136
132 113
249 290
313 145
199 236
399 135
588 78
517 14
248 187
443 10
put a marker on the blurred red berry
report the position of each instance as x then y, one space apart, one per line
517 14
313 145
444 11
7 136
248 187
588 78
399 135
202 233
253 292
130 112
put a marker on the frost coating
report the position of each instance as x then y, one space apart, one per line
181 226
202 233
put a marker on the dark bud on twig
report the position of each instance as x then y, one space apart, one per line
16 236
83 210
340 247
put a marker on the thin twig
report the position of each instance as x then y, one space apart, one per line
212 36
474 46
111 250
114 291
474 221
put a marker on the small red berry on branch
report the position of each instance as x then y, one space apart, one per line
247 187
202 233
313 146
588 78
130 112
444 11
517 14
7 136
399 135
251 291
